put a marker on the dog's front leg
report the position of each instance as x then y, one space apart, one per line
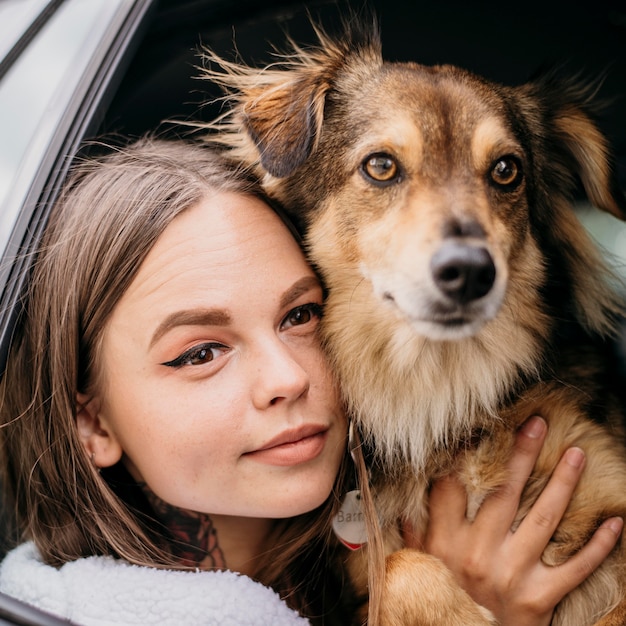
420 591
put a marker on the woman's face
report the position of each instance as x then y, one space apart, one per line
214 383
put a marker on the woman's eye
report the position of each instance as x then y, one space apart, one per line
198 355
302 315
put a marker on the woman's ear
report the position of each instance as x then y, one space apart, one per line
100 443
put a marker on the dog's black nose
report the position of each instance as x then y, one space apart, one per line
463 272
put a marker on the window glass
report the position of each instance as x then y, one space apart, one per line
610 234
45 84
15 18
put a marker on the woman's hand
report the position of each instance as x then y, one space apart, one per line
500 569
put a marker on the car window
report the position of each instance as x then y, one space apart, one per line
610 235
51 96
16 16
39 89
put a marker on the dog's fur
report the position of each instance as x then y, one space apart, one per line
464 295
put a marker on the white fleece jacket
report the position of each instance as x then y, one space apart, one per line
99 591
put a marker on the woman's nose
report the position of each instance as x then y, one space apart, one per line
279 376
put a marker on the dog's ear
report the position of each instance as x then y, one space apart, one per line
284 113
277 112
571 108
283 119
566 143
591 152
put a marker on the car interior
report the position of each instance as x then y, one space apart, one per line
506 42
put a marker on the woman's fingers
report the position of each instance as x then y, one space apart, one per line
447 502
448 498
545 515
500 508
503 569
448 528
577 569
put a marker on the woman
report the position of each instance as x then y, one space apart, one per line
166 404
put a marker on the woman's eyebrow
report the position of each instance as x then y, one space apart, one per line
307 283
193 317
220 317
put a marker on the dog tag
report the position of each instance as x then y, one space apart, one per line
349 522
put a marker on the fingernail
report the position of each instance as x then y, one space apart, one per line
575 457
615 524
534 427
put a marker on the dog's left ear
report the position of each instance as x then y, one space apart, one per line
559 116
591 152
571 108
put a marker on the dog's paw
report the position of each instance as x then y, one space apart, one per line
554 554
557 552
420 590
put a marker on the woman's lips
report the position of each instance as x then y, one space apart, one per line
292 447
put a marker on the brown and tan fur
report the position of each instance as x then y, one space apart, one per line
399 175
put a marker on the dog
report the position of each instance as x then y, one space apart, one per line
463 293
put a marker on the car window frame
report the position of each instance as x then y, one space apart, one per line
93 90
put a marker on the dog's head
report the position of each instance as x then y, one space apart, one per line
437 206
437 187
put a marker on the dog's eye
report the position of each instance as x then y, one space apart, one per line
506 172
380 168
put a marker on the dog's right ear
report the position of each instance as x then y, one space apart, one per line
284 119
281 107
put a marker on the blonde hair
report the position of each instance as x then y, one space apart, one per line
107 219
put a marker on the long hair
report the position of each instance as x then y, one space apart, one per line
110 214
